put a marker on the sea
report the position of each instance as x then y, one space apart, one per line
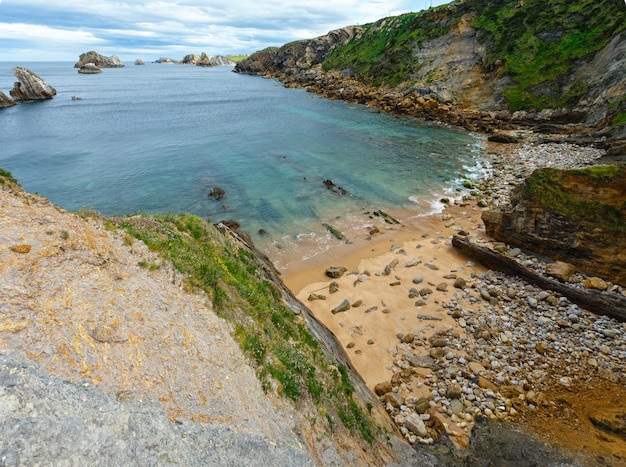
158 138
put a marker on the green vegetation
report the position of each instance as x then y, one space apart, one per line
237 58
384 53
7 178
556 190
541 42
285 354
537 43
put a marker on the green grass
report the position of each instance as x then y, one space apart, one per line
384 53
7 178
237 58
286 356
541 43
546 187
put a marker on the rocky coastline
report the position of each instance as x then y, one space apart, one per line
483 345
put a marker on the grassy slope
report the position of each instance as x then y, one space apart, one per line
285 354
538 44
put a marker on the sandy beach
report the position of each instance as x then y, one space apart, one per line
383 306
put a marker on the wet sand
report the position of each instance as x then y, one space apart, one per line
369 331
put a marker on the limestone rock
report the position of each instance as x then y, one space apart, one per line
595 283
336 271
5 101
30 87
139 62
89 69
414 423
99 60
343 306
560 270
383 388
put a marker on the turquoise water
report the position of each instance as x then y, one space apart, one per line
158 138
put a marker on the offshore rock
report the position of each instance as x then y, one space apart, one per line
99 60
5 101
89 69
206 60
30 87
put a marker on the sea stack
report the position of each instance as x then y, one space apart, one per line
30 87
99 60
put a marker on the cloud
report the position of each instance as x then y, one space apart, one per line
62 29
36 32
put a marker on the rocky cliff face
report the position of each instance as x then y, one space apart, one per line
297 57
30 87
576 216
99 60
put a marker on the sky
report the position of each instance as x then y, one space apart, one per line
60 30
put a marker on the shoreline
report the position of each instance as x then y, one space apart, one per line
382 314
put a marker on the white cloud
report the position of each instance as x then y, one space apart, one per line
37 32
62 29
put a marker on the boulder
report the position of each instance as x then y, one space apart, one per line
414 423
30 87
139 62
89 69
560 270
5 101
336 271
343 306
99 60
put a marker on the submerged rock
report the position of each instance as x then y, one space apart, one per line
30 87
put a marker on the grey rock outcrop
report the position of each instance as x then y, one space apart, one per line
30 87
99 60
79 424
298 56
89 69
5 101
139 62
206 60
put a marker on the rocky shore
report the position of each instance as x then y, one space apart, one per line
444 343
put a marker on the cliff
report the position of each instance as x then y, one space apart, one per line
577 216
98 60
114 344
504 62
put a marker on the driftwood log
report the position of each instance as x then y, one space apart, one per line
602 303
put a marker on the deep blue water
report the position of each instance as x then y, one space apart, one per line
157 138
